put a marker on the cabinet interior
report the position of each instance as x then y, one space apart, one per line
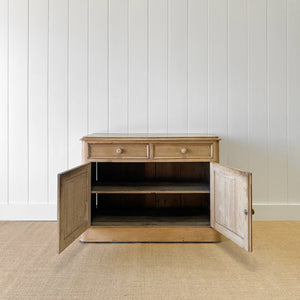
156 194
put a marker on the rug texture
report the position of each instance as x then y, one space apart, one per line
31 268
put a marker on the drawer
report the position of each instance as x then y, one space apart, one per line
183 151
118 150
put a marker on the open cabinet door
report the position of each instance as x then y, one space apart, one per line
74 205
231 204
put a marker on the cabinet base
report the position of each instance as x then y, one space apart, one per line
163 234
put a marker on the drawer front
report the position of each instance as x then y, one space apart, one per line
119 150
183 151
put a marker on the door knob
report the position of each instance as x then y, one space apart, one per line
246 211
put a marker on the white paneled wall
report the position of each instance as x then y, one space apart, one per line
73 67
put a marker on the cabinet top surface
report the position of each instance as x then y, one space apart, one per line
150 136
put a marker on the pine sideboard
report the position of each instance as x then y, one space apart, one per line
153 188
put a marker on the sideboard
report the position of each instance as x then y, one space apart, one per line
153 188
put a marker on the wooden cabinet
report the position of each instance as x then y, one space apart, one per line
145 188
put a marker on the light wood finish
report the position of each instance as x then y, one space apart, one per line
150 220
202 151
118 150
172 173
216 151
231 204
140 201
74 193
148 147
152 187
150 234
149 136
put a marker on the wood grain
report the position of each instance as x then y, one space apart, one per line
118 150
151 187
184 150
149 136
74 204
151 220
231 204
150 234
142 147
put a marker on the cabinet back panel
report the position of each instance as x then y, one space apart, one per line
173 171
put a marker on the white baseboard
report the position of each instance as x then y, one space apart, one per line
48 212
30 212
276 212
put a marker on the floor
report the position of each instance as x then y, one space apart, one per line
30 267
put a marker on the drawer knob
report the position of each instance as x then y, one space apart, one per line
183 150
118 150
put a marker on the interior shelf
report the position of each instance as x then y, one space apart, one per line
150 194
151 217
151 187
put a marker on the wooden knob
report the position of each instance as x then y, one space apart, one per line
252 211
183 150
119 150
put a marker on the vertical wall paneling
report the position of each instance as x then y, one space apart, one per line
18 101
277 100
72 67
4 101
218 69
158 66
237 84
58 92
258 110
138 66
78 70
97 66
177 66
293 93
197 65
37 109
118 66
